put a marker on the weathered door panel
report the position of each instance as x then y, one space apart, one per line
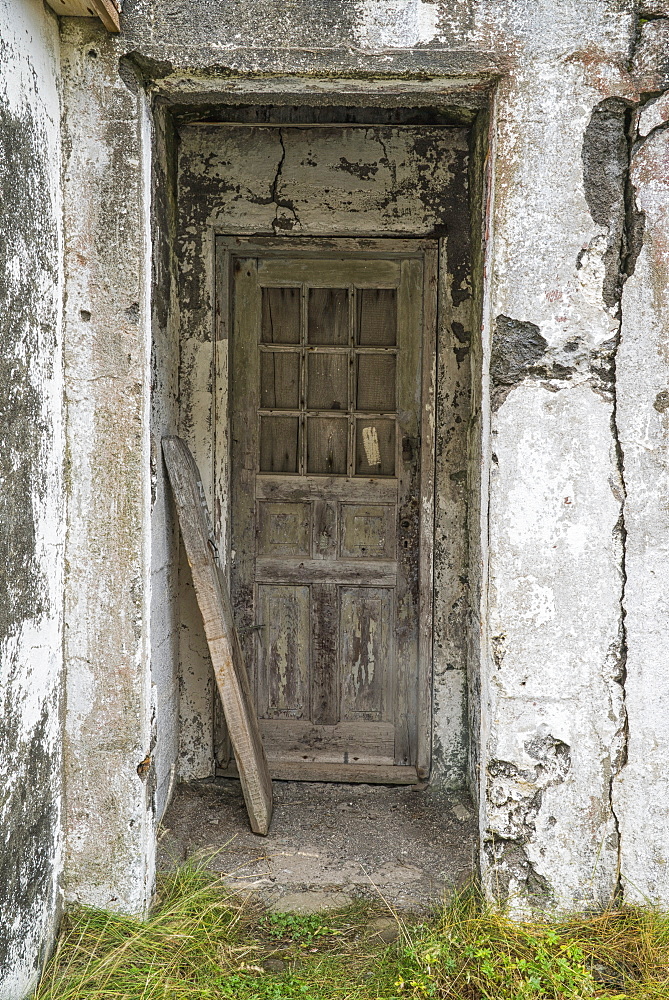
328 359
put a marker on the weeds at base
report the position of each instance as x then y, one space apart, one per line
202 943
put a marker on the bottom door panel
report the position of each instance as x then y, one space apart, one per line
346 743
283 652
366 622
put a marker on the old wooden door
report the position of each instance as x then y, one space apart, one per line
331 379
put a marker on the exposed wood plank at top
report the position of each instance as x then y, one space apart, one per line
219 627
106 10
369 774
331 273
73 8
108 13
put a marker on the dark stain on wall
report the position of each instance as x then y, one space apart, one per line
29 249
517 346
605 156
30 818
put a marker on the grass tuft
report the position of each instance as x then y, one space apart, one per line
202 943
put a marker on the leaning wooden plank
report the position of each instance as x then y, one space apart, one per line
226 656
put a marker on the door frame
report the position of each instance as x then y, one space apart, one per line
226 248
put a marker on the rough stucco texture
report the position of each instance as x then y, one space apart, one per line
552 701
31 509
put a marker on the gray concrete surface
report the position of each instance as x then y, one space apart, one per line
328 843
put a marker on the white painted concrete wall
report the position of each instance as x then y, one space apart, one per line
31 492
110 724
553 722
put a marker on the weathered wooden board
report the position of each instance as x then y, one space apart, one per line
226 656
107 10
367 774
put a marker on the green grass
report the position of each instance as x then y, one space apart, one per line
201 943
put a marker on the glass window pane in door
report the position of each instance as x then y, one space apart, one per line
375 379
377 317
279 444
327 381
280 316
279 380
327 445
328 316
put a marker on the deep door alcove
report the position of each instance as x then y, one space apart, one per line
283 185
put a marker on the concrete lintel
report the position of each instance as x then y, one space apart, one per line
330 64
328 90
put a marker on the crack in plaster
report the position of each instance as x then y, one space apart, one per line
281 224
630 246
630 243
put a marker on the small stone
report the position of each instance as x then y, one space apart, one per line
274 965
461 813
385 928
311 902
653 114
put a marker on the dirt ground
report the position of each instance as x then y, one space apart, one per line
328 843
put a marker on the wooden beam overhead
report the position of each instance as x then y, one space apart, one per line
107 10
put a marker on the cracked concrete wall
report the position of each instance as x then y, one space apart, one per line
553 716
31 492
567 720
641 792
345 181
